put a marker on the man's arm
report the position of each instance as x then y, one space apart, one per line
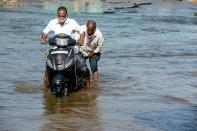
81 39
100 43
43 39
82 30
76 31
45 32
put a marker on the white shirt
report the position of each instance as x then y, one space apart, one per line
69 28
95 45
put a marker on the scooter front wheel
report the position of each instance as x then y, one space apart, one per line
66 91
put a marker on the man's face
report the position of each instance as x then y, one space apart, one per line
91 29
62 15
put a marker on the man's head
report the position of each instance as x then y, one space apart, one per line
62 14
91 27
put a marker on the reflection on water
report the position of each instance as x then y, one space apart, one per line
91 6
79 111
148 72
25 88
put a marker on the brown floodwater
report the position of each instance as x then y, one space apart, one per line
148 69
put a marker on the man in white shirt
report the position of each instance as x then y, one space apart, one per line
61 24
65 25
91 40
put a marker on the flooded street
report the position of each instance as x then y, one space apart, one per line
148 69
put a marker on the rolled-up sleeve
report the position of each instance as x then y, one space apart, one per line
100 43
47 28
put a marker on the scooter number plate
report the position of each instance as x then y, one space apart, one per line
59 52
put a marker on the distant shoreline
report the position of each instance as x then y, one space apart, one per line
114 3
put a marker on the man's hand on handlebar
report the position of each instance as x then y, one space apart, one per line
43 38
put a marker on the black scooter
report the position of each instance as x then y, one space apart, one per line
64 67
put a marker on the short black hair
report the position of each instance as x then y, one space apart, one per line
62 8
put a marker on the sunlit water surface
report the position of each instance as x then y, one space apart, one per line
148 70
